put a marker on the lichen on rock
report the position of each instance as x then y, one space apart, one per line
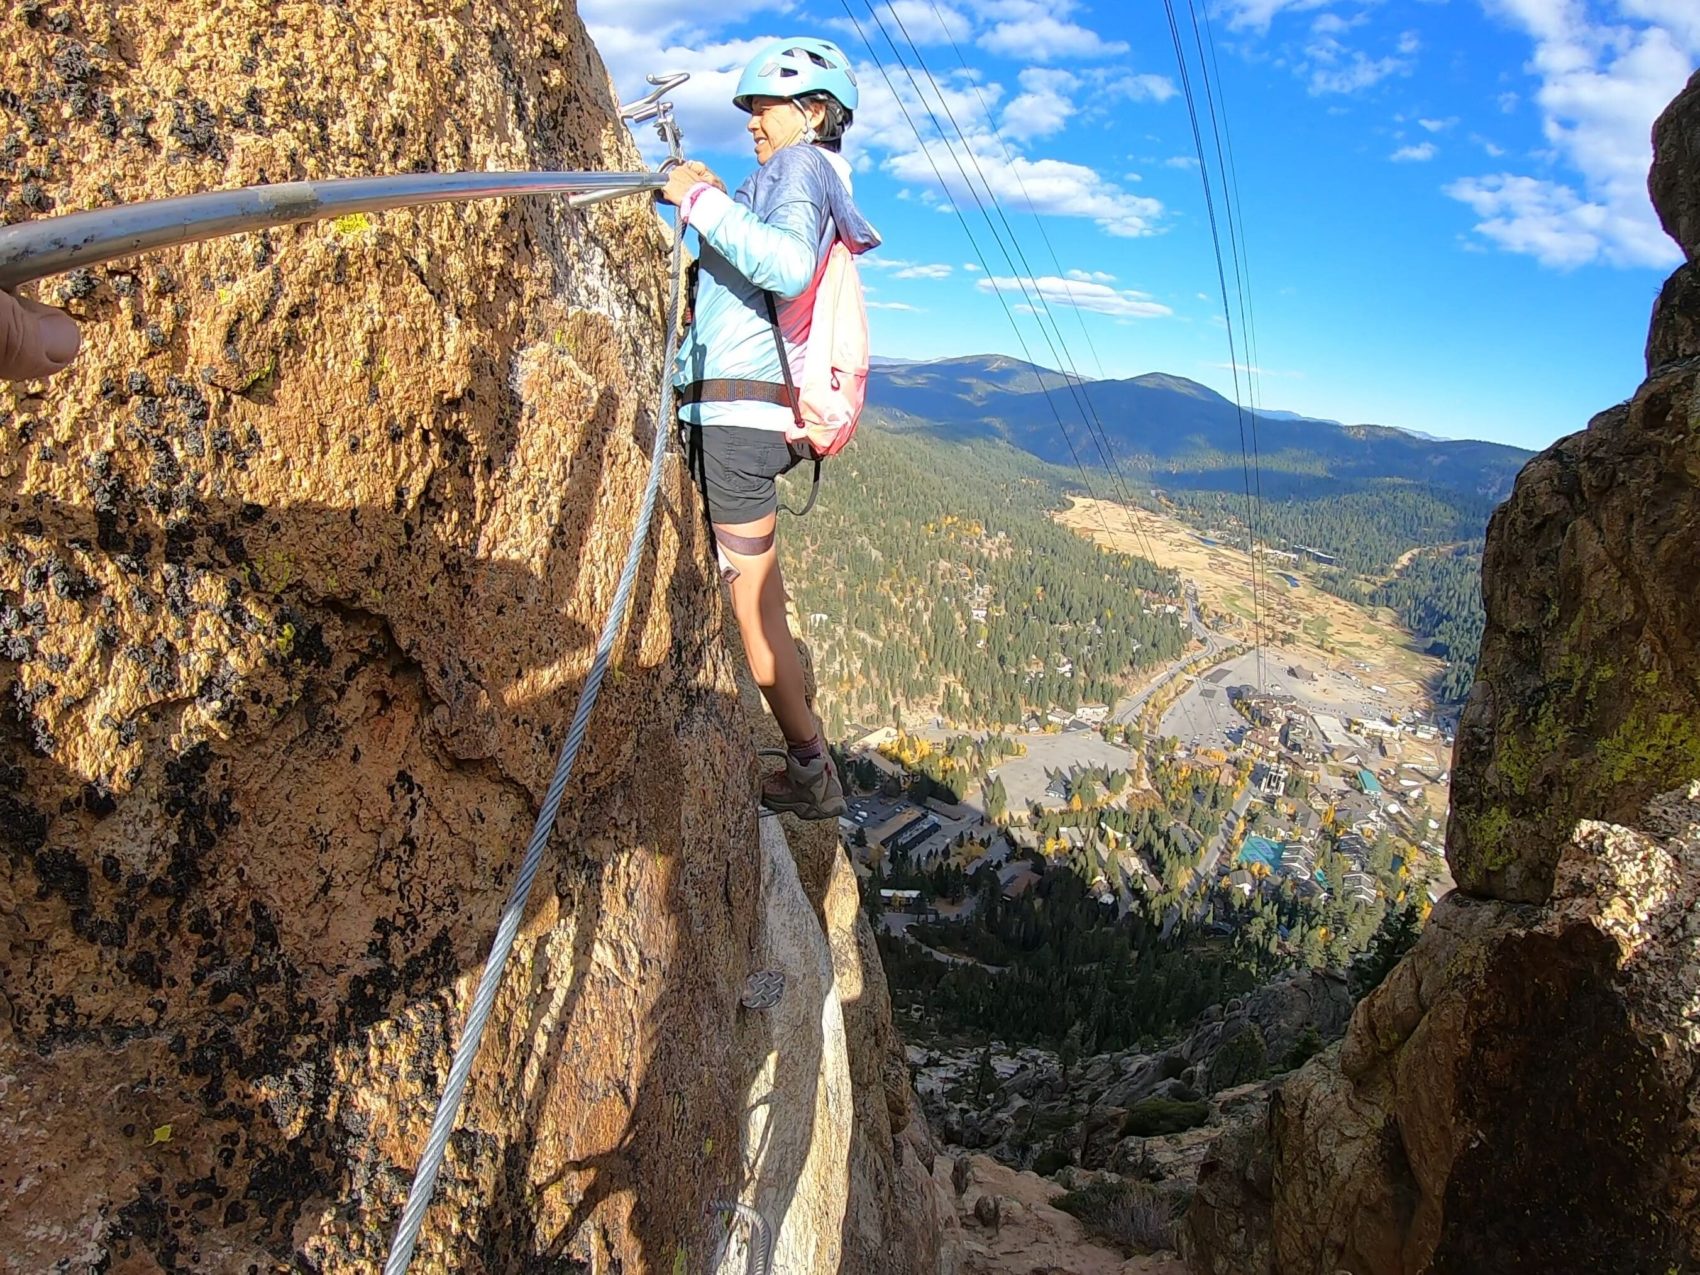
1587 693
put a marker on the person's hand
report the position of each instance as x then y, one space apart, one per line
35 340
703 173
681 177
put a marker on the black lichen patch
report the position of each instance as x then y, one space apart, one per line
161 663
194 126
23 828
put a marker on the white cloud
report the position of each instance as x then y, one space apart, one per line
901 269
1438 126
1358 73
1039 31
1045 186
1602 81
1335 24
1495 151
1044 106
1324 61
1251 369
1508 102
971 267
1098 298
1143 88
1090 276
703 105
923 25
1181 161
1547 220
1256 15
894 305
1418 154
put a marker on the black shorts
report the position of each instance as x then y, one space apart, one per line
734 468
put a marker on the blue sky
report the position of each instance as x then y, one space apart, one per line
1442 202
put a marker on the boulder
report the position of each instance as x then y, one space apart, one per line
1587 695
1675 331
1520 1077
1674 181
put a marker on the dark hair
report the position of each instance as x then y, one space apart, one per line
830 134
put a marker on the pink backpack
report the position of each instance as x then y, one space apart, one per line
828 393
834 380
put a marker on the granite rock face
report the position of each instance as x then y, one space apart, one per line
1587 694
301 568
1521 1094
1675 178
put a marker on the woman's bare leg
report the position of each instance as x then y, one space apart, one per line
758 600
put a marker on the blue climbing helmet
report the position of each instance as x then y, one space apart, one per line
796 68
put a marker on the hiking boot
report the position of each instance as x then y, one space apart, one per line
807 789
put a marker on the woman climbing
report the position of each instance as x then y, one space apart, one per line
760 259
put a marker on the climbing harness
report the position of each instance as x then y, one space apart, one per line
52 245
761 1237
466 1051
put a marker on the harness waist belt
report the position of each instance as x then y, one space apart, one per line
738 391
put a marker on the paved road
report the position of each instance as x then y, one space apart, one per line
1128 709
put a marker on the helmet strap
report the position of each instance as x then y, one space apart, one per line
808 135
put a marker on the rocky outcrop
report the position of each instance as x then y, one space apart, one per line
1012 1226
1523 1092
1587 694
1128 1111
1674 181
300 572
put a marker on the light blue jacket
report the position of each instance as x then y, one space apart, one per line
771 236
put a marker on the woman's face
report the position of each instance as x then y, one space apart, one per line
776 122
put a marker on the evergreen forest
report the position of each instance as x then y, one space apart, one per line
930 580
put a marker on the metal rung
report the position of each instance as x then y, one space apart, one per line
763 989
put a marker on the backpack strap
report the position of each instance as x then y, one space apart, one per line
784 361
814 490
796 404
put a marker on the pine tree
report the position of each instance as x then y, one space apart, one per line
1395 936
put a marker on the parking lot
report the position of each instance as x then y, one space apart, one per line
1024 778
1202 717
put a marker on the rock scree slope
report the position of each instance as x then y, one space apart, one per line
1522 1094
301 568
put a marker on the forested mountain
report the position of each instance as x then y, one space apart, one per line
930 577
1178 432
1365 531
1438 596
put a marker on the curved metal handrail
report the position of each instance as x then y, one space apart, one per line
52 245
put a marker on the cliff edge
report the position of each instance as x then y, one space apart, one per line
301 568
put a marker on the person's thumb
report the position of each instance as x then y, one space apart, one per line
35 340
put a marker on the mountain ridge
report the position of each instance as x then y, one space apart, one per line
1165 423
